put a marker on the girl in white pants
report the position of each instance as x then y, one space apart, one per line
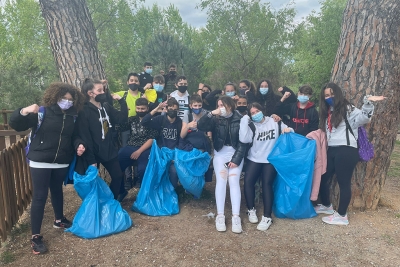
224 123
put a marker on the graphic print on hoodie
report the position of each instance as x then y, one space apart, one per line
303 121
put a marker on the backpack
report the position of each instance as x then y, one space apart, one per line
365 147
41 113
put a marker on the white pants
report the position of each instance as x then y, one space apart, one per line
222 175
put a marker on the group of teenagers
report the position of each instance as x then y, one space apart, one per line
238 126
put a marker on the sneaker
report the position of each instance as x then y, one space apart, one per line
252 216
336 218
264 224
220 223
37 244
322 209
236 225
65 223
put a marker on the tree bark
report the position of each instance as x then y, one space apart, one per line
73 40
367 62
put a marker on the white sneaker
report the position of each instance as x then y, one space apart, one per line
321 209
236 225
220 223
264 224
252 216
336 219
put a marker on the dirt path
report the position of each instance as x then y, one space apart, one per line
190 239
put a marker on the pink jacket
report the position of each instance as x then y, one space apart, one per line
320 161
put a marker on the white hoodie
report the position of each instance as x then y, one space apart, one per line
265 137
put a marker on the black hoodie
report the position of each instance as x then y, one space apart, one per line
303 121
93 127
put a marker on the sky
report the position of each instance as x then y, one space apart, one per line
197 18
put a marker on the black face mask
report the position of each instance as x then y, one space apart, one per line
241 109
172 72
182 89
204 95
133 86
141 114
101 98
172 113
242 91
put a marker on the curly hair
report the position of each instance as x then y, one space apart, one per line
57 90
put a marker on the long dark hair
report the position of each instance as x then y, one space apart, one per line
88 85
250 84
270 97
340 107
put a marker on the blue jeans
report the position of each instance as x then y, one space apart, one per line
125 161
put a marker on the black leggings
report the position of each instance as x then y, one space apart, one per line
114 169
42 180
341 160
268 174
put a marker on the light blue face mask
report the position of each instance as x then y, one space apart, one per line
149 71
230 94
303 99
257 117
158 87
264 91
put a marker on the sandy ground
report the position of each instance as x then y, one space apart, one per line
189 239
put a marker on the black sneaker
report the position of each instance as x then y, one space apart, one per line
37 244
65 223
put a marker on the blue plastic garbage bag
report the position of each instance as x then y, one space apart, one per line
157 196
100 214
293 158
191 167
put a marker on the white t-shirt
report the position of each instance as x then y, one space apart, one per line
266 135
183 105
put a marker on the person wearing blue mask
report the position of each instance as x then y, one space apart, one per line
342 155
303 116
263 132
265 97
158 85
145 76
230 90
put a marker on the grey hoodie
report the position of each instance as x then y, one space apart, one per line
356 118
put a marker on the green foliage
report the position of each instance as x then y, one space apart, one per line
315 43
245 39
7 257
242 39
27 65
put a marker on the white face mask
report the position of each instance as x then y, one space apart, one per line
223 111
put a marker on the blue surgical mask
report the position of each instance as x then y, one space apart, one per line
257 117
303 99
197 110
264 91
158 87
149 71
230 94
330 101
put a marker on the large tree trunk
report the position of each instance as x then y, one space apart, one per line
367 62
73 40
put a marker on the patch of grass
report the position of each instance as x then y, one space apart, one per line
394 168
19 229
7 257
397 215
388 239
